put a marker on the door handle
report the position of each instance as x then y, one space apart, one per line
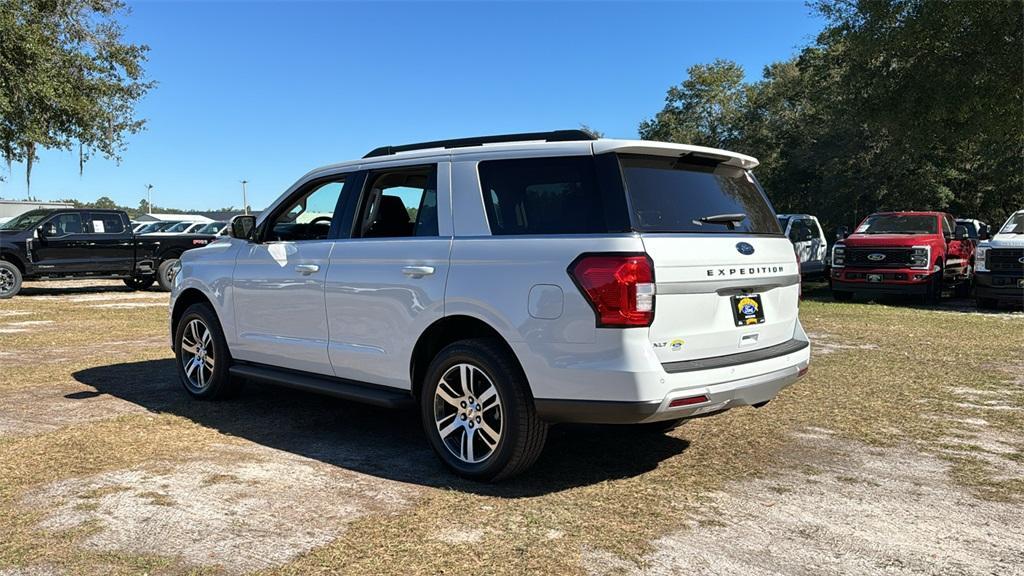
418 271
307 269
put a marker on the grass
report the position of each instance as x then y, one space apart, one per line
595 487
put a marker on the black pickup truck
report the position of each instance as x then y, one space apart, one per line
69 243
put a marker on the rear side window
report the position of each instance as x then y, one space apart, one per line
559 195
695 195
106 223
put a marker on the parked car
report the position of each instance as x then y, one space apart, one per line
183 227
215 228
999 265
159 226
974 227
543 278
68 243
919 253
804 231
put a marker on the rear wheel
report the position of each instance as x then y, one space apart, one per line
478 413
166 272
202 354
139 282
10 279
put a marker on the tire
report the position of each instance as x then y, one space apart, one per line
511 416
933 295
165 273
191 343
842 296
986 303
10 280
139 282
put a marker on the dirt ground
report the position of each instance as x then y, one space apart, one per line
902 452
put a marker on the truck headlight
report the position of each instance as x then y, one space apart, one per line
919 257
981 259
838 256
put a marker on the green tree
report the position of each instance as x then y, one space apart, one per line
66 79
704 109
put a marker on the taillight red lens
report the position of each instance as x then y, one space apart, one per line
620 287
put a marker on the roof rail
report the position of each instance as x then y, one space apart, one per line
554 136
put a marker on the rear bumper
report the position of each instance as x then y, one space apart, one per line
753 391
639 396
1001 287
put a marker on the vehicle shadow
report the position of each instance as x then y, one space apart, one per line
384 443
60 289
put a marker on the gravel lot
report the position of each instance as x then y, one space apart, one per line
901 453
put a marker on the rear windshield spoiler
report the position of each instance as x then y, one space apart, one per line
675 150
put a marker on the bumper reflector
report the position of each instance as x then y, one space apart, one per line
803 371
687 401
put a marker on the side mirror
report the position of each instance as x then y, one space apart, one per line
48 229
983 232
242 226
842 232
960 233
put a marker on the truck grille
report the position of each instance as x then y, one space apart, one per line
894 257
1005 259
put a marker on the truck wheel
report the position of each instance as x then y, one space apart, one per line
478 413
842 295
202 354
139 282
986 303
10 279
166 272
933 294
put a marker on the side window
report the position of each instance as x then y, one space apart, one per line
309 216
815 229
947 227
399 203
106 224
543 196
64 224
799 231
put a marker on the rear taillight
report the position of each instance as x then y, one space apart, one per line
619 287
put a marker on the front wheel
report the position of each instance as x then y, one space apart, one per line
201 354
933 293
478 413
139 282
10 280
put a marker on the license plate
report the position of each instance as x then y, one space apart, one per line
747 309
874 277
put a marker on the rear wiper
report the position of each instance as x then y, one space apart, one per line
730 220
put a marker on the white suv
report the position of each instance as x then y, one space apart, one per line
504 283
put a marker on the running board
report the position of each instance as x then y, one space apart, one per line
328 386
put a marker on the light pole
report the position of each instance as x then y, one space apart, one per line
245 201
149 200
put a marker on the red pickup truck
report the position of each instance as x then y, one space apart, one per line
920 253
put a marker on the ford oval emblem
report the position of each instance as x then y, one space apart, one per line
744 248
1021 259
876 257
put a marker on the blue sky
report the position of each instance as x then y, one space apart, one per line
266 91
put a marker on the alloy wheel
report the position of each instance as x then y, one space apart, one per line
197 354
6 281
468 413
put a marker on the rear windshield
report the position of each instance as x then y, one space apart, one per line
693 195
898 224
